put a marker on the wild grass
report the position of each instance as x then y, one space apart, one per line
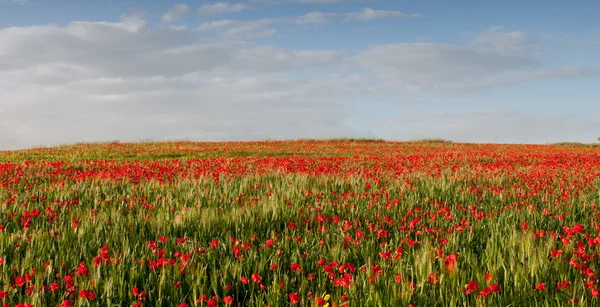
415 224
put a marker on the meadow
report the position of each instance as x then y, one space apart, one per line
300 223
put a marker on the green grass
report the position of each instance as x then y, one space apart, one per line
574 144
437 200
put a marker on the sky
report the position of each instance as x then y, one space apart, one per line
467 71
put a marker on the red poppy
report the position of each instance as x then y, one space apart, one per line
485 292
66 303
295 267
398 278
20 281
82 270
87 294
562 284
556 253
294 298
450 261
541 286
472 286
495 288
228 300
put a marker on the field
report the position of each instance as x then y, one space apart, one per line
302 223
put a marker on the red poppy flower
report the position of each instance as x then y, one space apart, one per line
541 286
294 298
472 286
87 294
66 303
295 267
495 288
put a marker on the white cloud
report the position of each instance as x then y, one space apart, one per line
91 81
502 126
261 27
220 8
303 1
499 39
265 27
313 18
240 28
319 1
125 80
175 13
195 106
491 60
368 14
20 2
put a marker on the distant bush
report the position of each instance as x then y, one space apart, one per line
432 141
361 140
575 144
569 144
344 139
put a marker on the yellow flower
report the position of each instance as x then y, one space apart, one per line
326 298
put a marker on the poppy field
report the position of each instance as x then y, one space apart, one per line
300 223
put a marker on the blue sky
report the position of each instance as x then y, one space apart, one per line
469 71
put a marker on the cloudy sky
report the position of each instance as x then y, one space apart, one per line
471 71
